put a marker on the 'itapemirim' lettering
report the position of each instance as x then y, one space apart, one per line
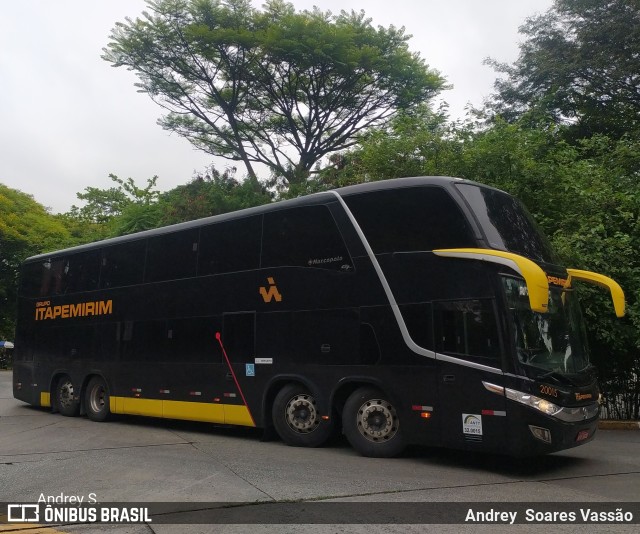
68 311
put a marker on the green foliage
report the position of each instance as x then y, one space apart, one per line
276 87
119 210
26 228
419 143
210 193
577 66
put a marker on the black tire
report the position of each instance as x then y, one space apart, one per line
67 402
297 420
371 424
96 400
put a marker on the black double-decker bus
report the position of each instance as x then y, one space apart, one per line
412 311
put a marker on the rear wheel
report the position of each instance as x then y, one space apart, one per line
66 401
297 420
371 424
96 400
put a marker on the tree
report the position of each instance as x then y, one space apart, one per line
578 66
209 193
275 87
119 210
419 142
26 229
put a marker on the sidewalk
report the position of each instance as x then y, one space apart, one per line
608 424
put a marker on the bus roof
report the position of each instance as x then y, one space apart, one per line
315 198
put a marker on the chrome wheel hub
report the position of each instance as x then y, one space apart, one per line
66 394
377 420
97 398
301 414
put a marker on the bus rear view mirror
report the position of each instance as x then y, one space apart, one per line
617 294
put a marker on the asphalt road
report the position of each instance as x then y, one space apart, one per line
142 460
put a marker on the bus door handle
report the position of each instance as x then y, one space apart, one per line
228 376
449 379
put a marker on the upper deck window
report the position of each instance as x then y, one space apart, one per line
172 256
230 246
304 237
411 219
69 274
506 223
123 264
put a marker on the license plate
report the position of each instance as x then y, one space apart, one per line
582 435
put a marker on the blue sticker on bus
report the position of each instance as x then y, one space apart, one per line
250 369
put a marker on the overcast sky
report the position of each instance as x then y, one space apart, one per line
68 119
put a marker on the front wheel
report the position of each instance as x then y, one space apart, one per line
66 401
297 420
371 424
96 400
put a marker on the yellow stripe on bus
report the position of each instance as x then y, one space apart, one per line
45 399
205 412
193 411
235 414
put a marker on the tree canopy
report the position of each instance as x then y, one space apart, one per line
275 87
26 228
579 65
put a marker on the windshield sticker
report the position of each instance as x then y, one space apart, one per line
472 424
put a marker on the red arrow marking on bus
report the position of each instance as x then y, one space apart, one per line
224 352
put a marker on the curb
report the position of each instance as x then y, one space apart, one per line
618 425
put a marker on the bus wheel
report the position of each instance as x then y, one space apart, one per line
96 400
371 424
297 420
66 402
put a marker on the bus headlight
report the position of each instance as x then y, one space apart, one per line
566 414
527 399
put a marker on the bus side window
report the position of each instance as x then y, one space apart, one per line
83 271
304 237
123 265
410 219
54 277
172 256
466 328
35 279
231 246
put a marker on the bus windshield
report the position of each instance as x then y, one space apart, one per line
547 344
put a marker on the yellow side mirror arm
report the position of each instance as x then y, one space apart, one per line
617 294
534 276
